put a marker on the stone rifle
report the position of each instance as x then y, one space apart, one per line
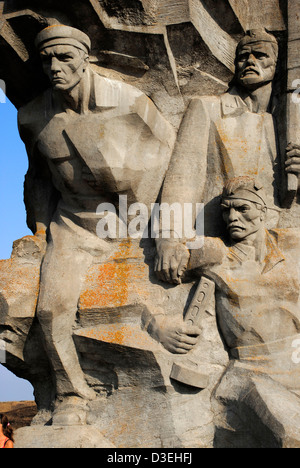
189 371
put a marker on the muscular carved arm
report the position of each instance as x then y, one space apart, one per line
184 183
172 332
40 196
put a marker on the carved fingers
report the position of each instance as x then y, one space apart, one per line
292 164
171 260
178 342
176 336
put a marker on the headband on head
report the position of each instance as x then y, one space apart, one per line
256 195
63 35
257 35
247 195
243 188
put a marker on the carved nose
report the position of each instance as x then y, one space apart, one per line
232 215
55 67
251 59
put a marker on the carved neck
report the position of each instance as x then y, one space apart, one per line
258 100
258 241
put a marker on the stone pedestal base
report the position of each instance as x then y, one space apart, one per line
60 437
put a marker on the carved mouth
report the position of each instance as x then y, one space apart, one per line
250 71
57 80
234 227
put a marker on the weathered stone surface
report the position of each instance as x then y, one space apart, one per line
60 437
19 332
127 368
106 328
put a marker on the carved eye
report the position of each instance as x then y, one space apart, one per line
243 57
45 58
64 58
260 55
243 209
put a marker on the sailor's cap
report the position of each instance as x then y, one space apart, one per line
63 35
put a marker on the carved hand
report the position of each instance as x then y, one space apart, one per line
293 159
174 334
171 260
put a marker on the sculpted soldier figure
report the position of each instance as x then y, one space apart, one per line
226 136
256 274
257 304
88 139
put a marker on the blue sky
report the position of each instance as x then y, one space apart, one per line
13 160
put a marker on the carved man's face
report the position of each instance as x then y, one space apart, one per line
256 64
243 218
64 65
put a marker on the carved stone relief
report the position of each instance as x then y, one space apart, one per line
153 337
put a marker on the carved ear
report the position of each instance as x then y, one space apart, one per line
263 214
86 61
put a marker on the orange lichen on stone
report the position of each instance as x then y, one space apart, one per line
126 335
19 288
111 284
15 276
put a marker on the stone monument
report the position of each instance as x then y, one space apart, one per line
132 331
256 262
